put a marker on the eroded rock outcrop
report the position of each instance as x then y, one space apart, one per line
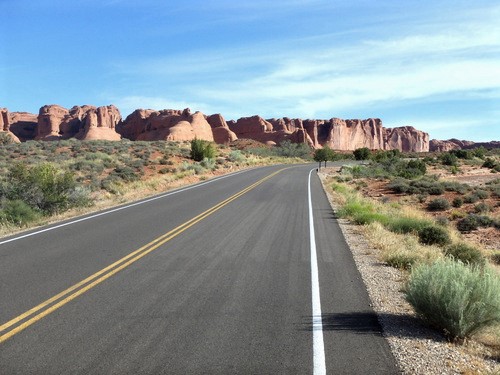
406 139
353 134
81 122
221 132
168 125
5 124
24 125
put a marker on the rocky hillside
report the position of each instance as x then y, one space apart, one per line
88 122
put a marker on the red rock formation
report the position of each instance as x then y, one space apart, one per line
221 132
23 125
5 124
82 122
456 144
406 139
353 134
170 125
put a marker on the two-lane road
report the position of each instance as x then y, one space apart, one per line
218 278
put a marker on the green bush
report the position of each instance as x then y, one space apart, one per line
362 153
489 163
482 207
482 194
404 225
290 150
451 296
434 235
467 224
43 187
465 253
448 159
457 202
201 149
438 204
18 213
471 198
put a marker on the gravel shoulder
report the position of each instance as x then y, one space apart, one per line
417 348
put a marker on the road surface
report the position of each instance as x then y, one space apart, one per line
245 274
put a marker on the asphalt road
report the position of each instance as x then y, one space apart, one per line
215 279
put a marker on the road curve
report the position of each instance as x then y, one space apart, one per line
215 279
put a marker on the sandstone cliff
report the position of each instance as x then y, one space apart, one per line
88 122
407 139
168 125
81 122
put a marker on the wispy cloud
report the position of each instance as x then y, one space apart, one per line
323 75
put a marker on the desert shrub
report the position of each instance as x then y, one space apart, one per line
457 202
201 149
438 204
442 220
236 156
495 258
5 138
362 153
462 154
18 213
481 194
482 207
43 186
433 235
413 169
125 173
467 224
489 163
405 225
399 186
471 198
451 296
290 149
455 186
465 253
208 163
401 259
422 197
448 158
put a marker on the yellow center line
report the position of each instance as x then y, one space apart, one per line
113 268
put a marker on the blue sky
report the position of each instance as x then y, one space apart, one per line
432 64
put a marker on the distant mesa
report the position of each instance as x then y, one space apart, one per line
455 144
87 122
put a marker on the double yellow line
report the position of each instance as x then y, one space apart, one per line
23 321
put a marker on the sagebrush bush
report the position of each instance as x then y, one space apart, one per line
18 213
482 207
471 198
457 202
438 204
43 186
460 300
467 254
434 235
404 225
467 224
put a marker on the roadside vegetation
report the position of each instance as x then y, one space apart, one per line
433 229
42 181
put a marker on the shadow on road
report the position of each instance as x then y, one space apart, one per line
368 323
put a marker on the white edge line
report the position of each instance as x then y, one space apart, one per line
319 366
121 208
